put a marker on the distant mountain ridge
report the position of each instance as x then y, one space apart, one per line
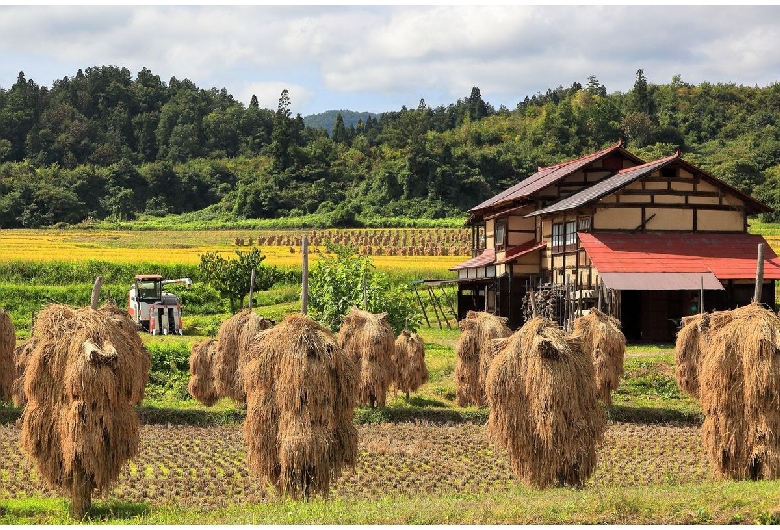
325 120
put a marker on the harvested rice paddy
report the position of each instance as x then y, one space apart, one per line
205 467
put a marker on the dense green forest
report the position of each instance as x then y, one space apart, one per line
104 145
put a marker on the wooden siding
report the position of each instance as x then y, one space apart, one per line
703 200
669 219
617 218
720 221
520 230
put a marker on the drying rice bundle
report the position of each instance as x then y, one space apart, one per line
740 395
411 371
201 385
605 343
233 338
22 354
84 375
7 345
467 391
692 340
543 406
475 353
368 340
490 328
301 394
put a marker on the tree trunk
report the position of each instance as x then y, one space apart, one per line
81 493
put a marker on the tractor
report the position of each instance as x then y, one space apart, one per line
151 308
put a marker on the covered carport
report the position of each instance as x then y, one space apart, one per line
663 276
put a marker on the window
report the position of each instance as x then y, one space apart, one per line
571 235
584 224
557 237
564 236
149 290
500 238
479 237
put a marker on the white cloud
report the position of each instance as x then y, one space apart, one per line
268 94
329 55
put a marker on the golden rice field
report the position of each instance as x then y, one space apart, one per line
186 247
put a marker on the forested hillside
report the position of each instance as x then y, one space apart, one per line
326 120
106 145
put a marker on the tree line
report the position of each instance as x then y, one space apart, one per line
105 145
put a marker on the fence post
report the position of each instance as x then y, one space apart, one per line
96 292
305 280
759 274
251 287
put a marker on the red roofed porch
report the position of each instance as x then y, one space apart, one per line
660 275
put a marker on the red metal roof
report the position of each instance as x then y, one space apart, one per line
728 256
547 176
488 257
522 250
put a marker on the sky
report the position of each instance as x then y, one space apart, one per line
370 58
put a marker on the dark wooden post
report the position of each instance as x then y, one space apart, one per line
701 295
759 274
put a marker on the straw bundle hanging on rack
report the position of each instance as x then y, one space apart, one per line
739 389
475 353
603 340
7 346
369 342
233 338
301 393
409 359
543 406
201 385
22 354
87 370
692 341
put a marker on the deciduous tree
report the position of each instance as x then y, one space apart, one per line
232 278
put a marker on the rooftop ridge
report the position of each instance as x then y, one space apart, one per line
595 154
545 173
652 163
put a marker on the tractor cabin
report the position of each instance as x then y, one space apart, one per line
648 243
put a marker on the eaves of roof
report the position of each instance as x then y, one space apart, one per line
487 257
521 250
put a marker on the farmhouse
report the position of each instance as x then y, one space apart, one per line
645 239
